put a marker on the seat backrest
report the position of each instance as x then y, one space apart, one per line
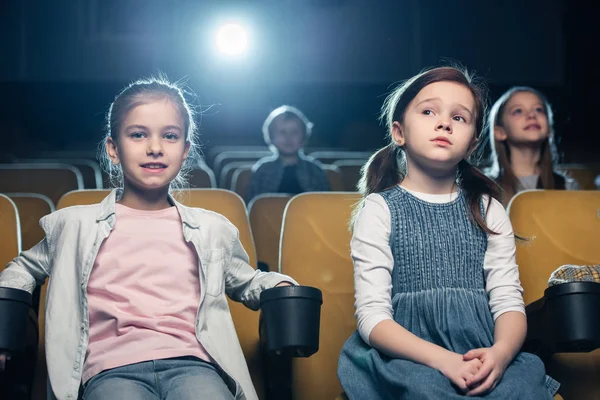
315 250
334 176
90 169
202 177
51 180
350 170
582 173
32 207
266 217
10 231
82 197
329 157
233 208
213 152
242 176
240 180
90 172
10 247
225 203
249 156
226 178
560 227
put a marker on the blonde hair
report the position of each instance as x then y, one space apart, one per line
141 92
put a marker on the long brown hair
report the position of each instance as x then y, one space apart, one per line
501 169
387 167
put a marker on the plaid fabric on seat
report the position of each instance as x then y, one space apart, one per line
575 273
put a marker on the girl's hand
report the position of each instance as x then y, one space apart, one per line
458 370
284 283
494 362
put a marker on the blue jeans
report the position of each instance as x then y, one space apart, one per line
182 378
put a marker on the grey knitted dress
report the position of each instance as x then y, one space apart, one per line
438 294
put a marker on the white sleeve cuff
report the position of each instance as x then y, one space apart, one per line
369 323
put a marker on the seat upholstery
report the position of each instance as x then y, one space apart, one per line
32 207
315 250
10 231
350 170
202 177
240 181
266 217
51 180
560 227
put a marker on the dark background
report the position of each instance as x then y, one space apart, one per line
62 63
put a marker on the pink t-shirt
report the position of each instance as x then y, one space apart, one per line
143 293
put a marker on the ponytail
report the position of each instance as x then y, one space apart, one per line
475 185
381 171
387 167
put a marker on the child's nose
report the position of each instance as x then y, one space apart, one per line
154 147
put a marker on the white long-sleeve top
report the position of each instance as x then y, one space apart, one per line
373 261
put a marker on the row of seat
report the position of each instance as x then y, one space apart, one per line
54 179
224 202
216 158
314 249
94 178
265 216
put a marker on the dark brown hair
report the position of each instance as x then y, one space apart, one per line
387 167
501 169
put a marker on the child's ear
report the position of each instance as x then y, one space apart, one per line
398 133
499 133
186 150
113 151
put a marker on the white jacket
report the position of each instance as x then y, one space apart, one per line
67 254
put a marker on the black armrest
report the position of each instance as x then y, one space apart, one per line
291 320
566 319
14 313
19 339
289 327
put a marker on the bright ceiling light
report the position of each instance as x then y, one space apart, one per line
232 40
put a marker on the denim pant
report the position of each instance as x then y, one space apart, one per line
182 378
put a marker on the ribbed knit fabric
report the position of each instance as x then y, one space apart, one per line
434 245
438 294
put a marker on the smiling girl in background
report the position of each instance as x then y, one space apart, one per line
524 154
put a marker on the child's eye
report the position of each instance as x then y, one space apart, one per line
517 111
171 136
540 110
137 135
459 118
427 112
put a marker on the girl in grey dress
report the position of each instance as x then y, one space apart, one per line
438 300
